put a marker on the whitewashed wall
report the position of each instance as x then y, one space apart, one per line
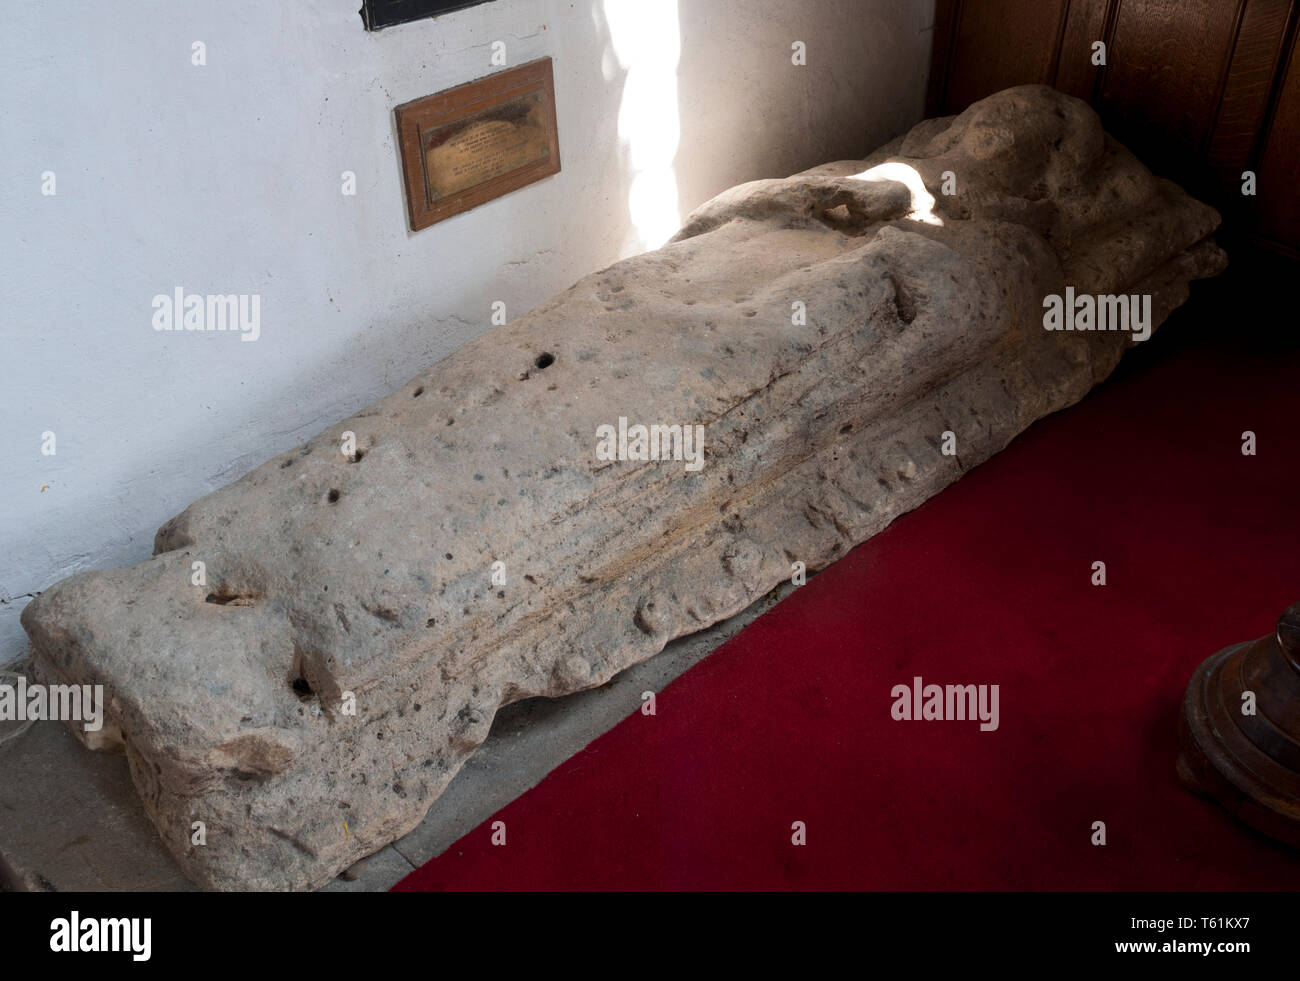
226 178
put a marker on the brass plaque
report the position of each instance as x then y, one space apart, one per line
478 141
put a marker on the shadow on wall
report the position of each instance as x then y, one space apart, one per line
779 89
817 82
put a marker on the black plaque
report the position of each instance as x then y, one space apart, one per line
378 14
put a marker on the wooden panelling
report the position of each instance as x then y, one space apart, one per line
945 29
1085 24
1199 89
1243 108
1164 71
983 62
1277 204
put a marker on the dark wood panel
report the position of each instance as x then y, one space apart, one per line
982 61
1243 108
945 30
1086 22
1199 89
1276 202
1165 69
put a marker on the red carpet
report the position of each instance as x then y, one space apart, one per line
988 583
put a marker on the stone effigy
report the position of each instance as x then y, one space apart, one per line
850 340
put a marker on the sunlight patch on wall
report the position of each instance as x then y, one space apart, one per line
647 44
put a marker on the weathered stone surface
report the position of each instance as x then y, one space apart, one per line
370 575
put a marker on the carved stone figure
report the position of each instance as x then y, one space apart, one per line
851 339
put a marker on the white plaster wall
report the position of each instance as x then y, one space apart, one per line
225 178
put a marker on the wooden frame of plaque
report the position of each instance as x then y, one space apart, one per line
465 146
